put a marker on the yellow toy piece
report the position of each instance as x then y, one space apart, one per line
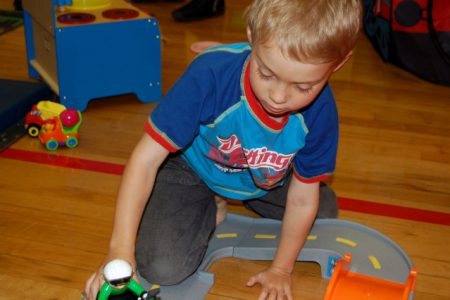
89 4
50 109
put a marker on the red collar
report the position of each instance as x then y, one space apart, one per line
256 107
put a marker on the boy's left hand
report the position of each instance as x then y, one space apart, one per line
275 283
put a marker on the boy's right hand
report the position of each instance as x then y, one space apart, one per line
96 280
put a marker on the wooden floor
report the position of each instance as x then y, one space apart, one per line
55 221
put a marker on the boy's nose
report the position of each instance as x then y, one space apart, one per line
279 94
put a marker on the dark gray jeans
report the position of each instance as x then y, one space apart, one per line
180 218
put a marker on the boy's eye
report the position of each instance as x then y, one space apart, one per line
264 76
304 89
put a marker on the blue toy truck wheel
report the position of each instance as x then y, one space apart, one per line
72 142
52 144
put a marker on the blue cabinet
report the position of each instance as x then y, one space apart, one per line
96 52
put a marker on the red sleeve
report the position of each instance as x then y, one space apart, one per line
159 138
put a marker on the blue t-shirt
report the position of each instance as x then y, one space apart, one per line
213 117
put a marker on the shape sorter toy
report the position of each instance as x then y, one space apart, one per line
87 49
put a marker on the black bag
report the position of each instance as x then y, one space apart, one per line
412 34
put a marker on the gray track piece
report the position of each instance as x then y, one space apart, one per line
373 253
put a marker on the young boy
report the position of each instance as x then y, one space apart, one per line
254 122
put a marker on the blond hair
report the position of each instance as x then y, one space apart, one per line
314 31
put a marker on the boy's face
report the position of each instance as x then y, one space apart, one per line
284 85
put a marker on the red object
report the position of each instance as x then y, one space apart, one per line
69 117
411 16
55 133
394 211
62 161
381 9
76 18
33 121
120 14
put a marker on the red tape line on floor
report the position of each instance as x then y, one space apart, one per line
62 161
361 206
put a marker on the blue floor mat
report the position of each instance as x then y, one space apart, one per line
16 100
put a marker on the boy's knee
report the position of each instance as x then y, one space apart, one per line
169 266
328 205
165 272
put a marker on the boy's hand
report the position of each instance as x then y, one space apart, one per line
275 283
96 280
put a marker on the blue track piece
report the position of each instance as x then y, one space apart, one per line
373 253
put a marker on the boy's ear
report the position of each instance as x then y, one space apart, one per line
249 35
343 61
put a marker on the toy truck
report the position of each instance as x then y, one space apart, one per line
42 111
61 130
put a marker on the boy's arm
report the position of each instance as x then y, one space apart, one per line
301 208
134 191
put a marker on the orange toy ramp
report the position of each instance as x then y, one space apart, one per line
347 285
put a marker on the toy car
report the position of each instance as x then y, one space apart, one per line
118 276
61 130
42 111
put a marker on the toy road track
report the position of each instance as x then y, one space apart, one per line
375 257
